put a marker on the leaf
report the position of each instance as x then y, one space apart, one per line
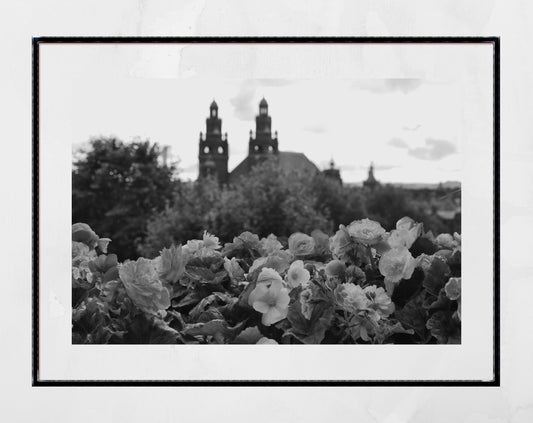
243 298
407 288
248 336
201 273
191 298
162 333
455 264
216 299
245 244
436 276
207 329
445 327
414 316
214 263
217 328
310 331
111 274
211 313
175 320
423 245
150 330
207 276
441 302
390 328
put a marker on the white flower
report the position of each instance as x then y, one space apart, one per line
446 241
170 264
351 297
379 300
366 231
301 244
143 286
396 264
266 341
453 288
103 243
269 297
270 245
405 234
210 241
205 247
297 275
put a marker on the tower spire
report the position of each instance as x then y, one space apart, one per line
333 173
263 143
371 181
213 148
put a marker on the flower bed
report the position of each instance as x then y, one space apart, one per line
363 285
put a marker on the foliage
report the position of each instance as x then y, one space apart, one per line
266 201
272 200
122 190
117 186
364 285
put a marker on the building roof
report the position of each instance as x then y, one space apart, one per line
213 105
288 160
263 103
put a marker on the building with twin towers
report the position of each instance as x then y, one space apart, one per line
214 150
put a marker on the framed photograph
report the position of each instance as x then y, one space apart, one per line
266 211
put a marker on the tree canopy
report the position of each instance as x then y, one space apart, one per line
117 187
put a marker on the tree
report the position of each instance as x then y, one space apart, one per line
388 204
340 204
267 200
116 187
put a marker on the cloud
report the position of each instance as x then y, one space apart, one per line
412 128
389 85
398 142
243 103
315 129
274 82
433 150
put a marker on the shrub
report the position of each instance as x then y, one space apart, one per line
402 286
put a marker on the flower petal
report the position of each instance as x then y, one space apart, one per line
261 306
259 292
273 315
283 299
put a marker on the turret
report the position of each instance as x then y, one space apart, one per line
213 148
263 144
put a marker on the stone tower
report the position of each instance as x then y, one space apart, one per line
333 173
213 148
263 144
371 182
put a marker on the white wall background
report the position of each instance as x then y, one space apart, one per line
511 20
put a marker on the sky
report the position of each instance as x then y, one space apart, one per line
409 127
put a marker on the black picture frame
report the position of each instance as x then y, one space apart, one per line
37 41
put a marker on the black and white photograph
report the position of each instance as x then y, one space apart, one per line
242 193
306 211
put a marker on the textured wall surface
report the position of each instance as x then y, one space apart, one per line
511 20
